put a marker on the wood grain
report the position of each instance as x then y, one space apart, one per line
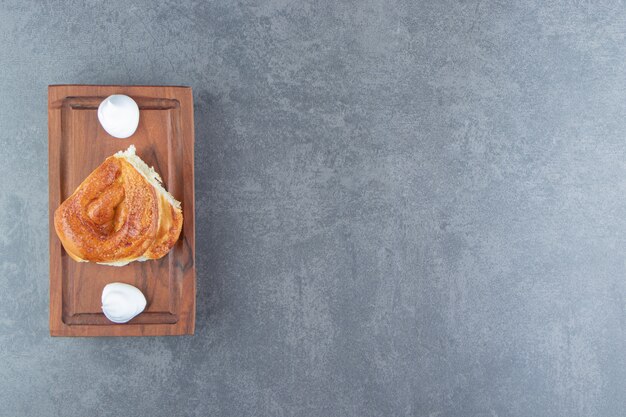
77 145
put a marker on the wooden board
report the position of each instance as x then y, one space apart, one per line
77 145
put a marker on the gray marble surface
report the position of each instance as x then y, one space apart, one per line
404 208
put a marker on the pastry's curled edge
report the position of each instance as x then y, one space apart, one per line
119 214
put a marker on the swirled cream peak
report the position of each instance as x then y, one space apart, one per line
122 302
119 115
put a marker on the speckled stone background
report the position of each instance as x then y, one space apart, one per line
403 208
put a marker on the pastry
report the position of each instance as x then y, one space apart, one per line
120 213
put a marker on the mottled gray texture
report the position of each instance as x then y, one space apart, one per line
403 208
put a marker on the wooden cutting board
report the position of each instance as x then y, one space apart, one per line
77 144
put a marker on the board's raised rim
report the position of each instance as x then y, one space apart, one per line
120 85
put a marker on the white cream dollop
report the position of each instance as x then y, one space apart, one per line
121 302
119 115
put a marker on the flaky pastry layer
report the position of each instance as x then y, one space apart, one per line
120 213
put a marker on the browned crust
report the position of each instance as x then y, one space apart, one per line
116 215
170 225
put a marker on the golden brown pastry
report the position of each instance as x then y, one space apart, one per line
120 213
